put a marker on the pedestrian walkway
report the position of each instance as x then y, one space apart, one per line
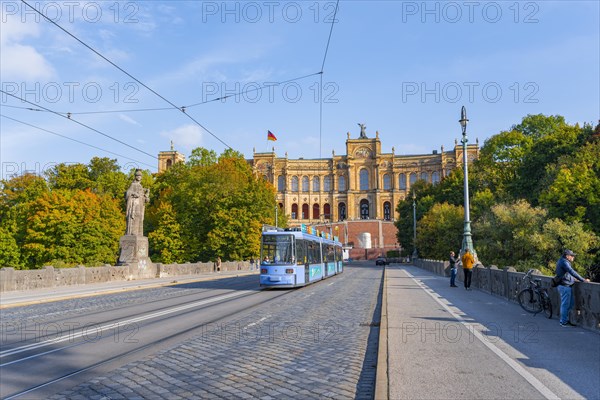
441 342
25 297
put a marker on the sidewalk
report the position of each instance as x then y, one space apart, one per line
26 297
438 342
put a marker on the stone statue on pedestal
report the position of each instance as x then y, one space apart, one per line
134 245
136 198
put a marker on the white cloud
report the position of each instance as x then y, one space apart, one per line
187 136
20 61
129 120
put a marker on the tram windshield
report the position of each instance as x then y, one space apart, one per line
277 249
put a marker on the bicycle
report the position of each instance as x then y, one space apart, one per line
534 298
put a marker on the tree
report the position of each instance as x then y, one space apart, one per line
440 230
218 203
574 189
558 235
509 234
164 235
69 176
73 227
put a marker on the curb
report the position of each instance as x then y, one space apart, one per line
382 374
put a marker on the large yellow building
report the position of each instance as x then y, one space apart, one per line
363 184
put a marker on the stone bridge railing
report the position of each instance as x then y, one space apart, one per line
49 277
507 283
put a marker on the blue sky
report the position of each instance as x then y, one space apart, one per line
402 68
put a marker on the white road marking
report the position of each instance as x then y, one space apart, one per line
115 325
536 383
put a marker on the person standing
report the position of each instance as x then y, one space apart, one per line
453 261
467 261
565 287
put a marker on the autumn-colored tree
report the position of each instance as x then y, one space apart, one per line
74 227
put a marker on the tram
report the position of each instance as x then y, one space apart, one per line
298 256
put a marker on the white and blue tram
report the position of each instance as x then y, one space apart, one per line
298 257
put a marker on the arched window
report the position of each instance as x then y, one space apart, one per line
364 209
413 178
342 183
305 211
387 211
435 177
425 176
169 163
387 182
364 179
402 181
305 183
294 211
327 183
281 183
294 183
342 211
327 211
316 211
316 184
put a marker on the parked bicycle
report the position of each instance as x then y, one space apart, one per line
534 298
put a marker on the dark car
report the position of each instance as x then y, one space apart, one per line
381 261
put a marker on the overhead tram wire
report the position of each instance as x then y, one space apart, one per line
77 141
182 109
80 123
321 83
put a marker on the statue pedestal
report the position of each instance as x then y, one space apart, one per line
134 254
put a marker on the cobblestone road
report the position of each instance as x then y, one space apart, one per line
316 342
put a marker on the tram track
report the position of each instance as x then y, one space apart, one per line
195 315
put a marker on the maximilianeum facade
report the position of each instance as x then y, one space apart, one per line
363 184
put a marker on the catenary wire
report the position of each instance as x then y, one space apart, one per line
75 140
321 81
126 73
80 123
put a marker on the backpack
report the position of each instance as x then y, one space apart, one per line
557 280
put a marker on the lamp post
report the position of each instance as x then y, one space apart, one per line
414 254
467 242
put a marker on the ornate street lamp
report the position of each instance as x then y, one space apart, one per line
467 242
414 254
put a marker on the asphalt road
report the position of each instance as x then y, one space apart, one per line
212 339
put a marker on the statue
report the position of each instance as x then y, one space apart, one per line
363 134
136 197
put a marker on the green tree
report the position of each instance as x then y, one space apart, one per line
574 189
107 177
509 234
164 235
558 235
439 231
69 176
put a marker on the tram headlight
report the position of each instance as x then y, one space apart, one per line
263 270
289 271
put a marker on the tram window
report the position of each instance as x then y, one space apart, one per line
301 251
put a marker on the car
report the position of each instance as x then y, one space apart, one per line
381 261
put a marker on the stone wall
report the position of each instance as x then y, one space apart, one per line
508 282
49 277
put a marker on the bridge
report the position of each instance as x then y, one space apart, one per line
398 333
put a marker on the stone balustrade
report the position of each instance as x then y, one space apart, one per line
507 283
49 277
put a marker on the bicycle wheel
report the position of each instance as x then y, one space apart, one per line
530 301
547 305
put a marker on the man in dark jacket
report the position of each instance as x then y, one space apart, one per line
453 261
568 274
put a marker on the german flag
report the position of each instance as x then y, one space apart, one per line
270 136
